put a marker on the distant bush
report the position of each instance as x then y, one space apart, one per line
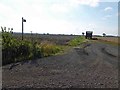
76 41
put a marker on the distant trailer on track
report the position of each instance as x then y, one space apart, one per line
89 34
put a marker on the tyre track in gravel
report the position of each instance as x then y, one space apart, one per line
86 66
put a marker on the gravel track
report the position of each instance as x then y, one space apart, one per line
91 65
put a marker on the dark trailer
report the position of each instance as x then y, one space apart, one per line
88 34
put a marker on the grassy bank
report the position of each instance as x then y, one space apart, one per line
77 41
48 48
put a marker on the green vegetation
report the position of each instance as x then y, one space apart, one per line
77 41
17 50
49 48
14 50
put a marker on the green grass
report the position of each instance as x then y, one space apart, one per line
49 49
77 41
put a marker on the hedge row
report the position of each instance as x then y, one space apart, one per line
14 50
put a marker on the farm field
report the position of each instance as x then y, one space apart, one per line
58 39
88 65
115 40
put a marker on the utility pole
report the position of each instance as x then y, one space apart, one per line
23 20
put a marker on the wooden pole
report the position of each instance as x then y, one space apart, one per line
22 28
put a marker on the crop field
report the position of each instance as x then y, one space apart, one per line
112 40
58 39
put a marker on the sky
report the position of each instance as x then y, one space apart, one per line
61 16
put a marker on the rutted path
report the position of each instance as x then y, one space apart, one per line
91 65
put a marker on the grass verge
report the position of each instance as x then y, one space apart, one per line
49 49
77 41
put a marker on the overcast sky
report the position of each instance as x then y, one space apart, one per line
61 16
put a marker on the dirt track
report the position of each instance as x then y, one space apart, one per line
94 65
